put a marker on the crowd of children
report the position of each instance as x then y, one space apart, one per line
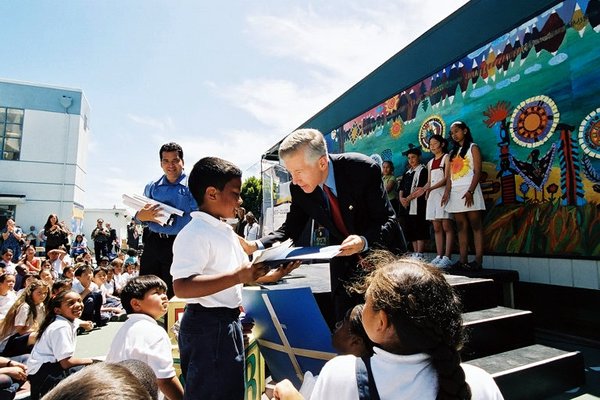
29 290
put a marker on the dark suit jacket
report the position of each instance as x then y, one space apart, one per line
364 205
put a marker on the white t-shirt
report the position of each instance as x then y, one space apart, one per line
6 301
207 246
24 319
397 377
140 338
251 231
57 343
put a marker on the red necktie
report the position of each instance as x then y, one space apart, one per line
334 208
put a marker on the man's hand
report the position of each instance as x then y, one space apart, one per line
150 213
353 244
248 246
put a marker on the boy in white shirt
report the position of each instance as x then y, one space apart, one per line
141 338
209 268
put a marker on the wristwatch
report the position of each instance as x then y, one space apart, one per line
471 191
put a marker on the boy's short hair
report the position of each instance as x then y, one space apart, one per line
101 269
211 171
136 288
132 252
81 269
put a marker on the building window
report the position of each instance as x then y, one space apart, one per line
11 133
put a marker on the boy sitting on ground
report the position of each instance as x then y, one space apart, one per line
141 338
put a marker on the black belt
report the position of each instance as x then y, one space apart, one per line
162 235
217 311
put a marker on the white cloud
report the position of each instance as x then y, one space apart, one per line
162 125
336 50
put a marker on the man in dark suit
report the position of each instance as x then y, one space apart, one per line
319 181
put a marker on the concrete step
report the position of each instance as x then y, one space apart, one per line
534 372
495 330
475 293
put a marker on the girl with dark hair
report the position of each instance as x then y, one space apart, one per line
413 316
52 358
56 234
463 197
442 221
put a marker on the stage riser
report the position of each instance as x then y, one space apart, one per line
534 372
475 293
496 330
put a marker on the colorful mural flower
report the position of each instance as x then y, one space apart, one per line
396 129
391 105
496 113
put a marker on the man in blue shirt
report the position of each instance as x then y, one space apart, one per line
170 189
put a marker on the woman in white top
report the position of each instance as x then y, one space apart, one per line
414 318
251 228
463 197
435 212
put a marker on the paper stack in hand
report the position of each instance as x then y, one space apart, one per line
138 202
284 252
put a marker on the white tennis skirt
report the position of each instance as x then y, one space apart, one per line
456 203
434 209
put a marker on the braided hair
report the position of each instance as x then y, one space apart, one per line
457 149
426 315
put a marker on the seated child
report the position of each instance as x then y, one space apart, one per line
350 337
92 300
118 277
7 295
141 338
111 305
22 319
52 357
13 375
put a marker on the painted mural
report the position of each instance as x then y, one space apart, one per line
532 100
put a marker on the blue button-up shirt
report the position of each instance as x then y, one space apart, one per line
177 195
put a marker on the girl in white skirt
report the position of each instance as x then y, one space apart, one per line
463 197
435 212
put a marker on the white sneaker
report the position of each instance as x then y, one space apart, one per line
436 260
419 256
445 262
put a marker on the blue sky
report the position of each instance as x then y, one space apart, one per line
226 79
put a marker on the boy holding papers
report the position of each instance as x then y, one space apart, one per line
209 268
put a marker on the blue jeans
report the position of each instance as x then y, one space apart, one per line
211 350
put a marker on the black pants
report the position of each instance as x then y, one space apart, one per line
48 376
158 257
92 303
100 250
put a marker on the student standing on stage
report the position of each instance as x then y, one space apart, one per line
170 189
209 268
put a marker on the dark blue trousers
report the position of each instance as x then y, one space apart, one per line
211 350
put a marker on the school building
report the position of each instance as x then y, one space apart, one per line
43 153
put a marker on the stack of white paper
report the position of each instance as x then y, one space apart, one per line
138 202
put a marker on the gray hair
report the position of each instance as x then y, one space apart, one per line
310 140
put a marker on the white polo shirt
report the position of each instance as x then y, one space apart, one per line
140 338
57 343
208 246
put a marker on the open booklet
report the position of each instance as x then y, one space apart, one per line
284 252
138 202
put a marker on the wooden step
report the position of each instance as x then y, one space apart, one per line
495 330
475 293
534 372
